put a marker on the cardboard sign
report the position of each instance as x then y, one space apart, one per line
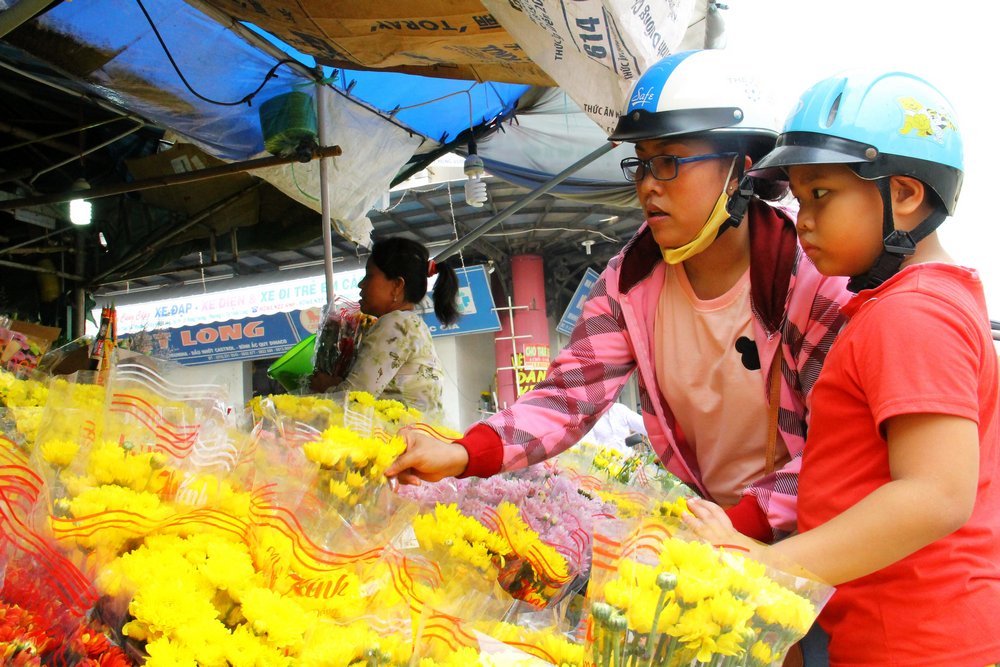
444 38
596 49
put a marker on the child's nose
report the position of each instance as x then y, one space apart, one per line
803 221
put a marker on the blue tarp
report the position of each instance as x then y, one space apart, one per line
133 71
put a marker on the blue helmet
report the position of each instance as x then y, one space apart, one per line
879 124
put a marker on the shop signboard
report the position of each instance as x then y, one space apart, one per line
263 335
575 307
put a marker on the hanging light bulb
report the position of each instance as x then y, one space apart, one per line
475 188
80 210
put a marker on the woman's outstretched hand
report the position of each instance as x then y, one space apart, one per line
427 459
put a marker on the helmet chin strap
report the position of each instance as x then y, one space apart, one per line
738 204
897 245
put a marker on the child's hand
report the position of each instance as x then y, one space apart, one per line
711 523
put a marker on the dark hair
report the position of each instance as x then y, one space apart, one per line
399 257
756 147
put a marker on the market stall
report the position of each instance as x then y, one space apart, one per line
144 525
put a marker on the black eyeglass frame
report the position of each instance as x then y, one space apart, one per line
635 162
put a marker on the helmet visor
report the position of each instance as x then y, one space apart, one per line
640 124
795 148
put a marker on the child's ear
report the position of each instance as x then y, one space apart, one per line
908 194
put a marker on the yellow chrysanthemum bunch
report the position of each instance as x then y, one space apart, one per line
111 463
315 410
448 531
613 465
670 511
695 602
357 643
549 645
104 518
18 393
394 412
352 466
537 572
27 422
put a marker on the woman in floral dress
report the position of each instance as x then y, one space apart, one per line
396 359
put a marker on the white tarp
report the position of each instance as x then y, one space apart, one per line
597 49
374 153
550 134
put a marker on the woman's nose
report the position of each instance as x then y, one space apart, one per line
647 184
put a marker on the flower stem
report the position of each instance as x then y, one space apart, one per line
651 642
671 647
597 648
608 647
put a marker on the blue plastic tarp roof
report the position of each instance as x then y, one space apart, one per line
134 72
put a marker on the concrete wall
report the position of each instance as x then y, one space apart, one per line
237 376
468 369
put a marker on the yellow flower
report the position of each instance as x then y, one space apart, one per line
164 654
761 653
545 560
340 490
449 531
248 650
59 453
282 619
778 606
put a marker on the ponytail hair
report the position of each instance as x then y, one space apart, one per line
399 257
445 293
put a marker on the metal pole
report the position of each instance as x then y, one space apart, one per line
527 199
162 181
323 116
38 269
69 91
79 293
163 239
89 150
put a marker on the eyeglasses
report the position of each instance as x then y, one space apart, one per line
663 167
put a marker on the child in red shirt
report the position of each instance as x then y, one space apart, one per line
899 505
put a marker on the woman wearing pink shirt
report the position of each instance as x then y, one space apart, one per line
712 303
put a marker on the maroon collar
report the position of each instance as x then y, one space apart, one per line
773 253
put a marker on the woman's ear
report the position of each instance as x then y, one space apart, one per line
738 174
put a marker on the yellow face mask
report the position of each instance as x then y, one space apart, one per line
708 232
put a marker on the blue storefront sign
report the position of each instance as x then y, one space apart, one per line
262 337
575 307
271 335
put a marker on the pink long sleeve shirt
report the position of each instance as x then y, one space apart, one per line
796 312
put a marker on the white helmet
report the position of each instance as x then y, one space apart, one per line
699 93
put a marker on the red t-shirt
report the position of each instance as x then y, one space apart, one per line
919 344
